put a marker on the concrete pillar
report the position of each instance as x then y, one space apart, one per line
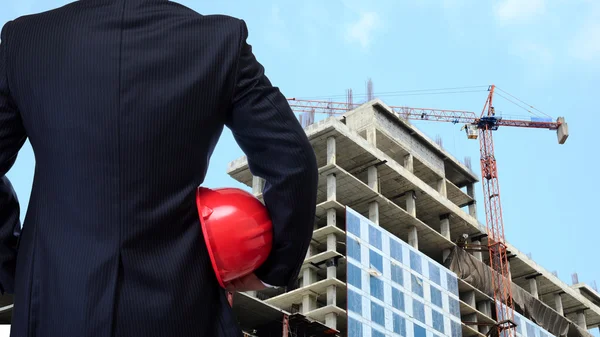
331 217
411 203
258 184
373 182
558 304
331 151
409 162
373 178
581 320
472 207
413 238
331 295
331 320
445 231
533 289
469 298
331 242
374 212
442 188
331 187
309 303
477 253
486 308
372 136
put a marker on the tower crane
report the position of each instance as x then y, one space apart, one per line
476 127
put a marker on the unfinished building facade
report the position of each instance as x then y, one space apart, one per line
374 163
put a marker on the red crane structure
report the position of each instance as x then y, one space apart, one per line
476 127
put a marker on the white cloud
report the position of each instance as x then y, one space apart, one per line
361 31
514 11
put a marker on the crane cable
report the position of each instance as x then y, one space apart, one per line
526 104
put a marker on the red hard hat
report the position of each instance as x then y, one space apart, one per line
237 230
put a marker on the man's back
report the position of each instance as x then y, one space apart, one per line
123 102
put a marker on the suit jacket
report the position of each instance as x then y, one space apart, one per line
123 102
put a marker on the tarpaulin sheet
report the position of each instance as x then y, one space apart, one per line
479 275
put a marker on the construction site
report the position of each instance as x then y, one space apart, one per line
398 248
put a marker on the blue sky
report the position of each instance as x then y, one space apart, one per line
546 53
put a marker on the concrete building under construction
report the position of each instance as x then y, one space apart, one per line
398 212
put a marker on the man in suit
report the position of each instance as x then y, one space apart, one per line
123 102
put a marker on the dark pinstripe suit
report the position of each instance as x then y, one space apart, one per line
123 102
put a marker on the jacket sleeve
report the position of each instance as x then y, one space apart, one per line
278 150
12 138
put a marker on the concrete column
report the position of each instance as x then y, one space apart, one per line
441 187
445 231
581 320
469 298
533 288
373 182
486 308
309 301
331 320
409 162
558 304
331 187
477 253
331 217
258 184
472 207
331 295
372 136
331 151
411 203
331 242
373 178
374 212
413 238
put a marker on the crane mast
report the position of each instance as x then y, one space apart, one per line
501 283
476 127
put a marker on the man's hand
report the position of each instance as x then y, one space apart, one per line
245 283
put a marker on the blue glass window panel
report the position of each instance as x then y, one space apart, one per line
436 296
452 284
531 330
377 314
419 331
354 328
438 320
419 310
456 329
376 288
395 250
375 237
376 260
353 224
353 249
399 325
397 274
415 262
454 307
434 274
376 333
354 275
354 302
417 285
397 299
518 323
